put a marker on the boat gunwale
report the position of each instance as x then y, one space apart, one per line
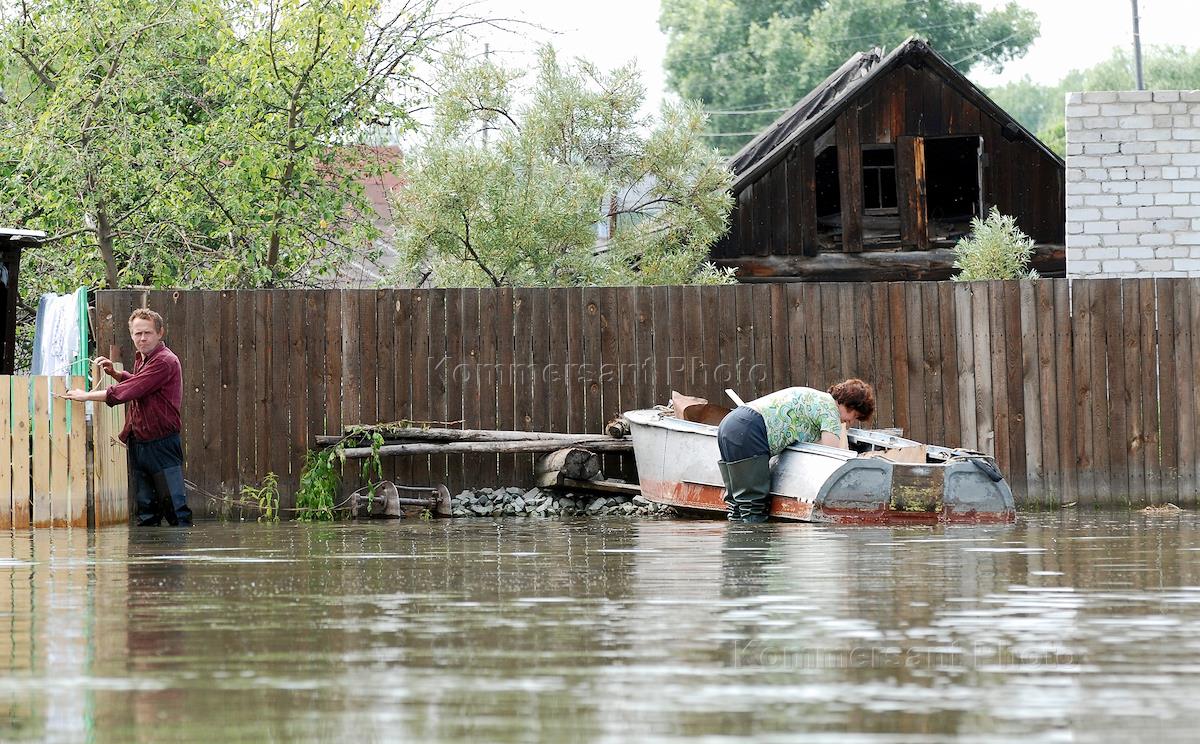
694 427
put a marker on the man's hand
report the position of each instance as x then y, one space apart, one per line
106 364
83 395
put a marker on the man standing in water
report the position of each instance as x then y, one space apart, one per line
153 393
752 433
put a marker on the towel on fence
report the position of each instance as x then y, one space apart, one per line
56 335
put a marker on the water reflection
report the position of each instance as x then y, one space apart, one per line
1063 626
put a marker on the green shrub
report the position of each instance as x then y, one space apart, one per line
995 249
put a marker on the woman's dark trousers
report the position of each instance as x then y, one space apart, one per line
745 465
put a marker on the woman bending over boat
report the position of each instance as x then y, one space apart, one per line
752 433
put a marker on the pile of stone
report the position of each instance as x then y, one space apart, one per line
544 502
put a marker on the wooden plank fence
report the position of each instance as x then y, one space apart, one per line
1083 391
44 441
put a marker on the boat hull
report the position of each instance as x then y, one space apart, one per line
677 465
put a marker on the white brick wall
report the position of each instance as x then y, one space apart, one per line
1133 183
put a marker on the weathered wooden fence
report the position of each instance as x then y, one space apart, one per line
1083 392
44 440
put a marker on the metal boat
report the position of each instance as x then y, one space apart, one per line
677 465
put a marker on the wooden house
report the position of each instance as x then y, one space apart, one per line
12 242
876 174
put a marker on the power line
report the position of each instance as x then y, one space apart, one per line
732 112
957 62
748 111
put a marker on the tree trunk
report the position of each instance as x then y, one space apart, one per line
103 230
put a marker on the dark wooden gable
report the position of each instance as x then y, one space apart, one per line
933 152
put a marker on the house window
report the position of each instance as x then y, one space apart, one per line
879 177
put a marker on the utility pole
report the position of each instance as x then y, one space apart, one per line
1137 48
487 53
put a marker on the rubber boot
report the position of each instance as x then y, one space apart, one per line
172 494
149 514
727 496
750 482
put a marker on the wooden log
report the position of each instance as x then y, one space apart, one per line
569 462
936 264
416 434
618 427
602 444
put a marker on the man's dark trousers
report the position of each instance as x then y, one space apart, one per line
156 467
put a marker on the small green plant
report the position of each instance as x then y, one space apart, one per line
995 249
266 496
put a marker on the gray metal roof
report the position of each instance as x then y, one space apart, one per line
14 235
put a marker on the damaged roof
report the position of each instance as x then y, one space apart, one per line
818 110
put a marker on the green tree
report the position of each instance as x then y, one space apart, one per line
207 143
762 56
1042 108
501 193
1035 106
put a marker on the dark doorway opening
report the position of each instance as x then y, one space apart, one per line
952 177
828 186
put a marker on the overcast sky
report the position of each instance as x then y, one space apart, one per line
1074 34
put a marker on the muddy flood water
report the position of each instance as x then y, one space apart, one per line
1062 627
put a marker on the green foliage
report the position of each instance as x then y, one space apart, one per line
506 194
200 144
1042 108
266 496
321 480
319 484
767 54
1035 106
995 249
1054 136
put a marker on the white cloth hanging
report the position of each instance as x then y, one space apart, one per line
56 334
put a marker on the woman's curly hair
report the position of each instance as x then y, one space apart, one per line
856 395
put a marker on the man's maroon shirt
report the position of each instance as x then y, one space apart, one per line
153 393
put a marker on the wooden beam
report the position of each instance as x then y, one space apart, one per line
935 264
458 448
850 179
805 201
911 193
418 434
600 486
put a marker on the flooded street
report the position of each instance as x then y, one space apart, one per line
1062 627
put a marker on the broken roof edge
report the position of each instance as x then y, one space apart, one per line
823 117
